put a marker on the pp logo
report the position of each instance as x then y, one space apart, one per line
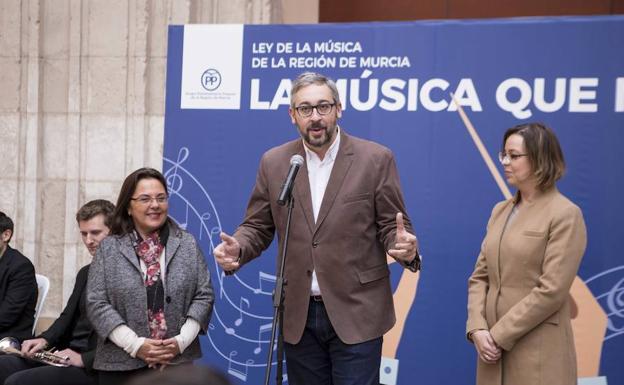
211 79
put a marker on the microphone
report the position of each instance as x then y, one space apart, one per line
295 162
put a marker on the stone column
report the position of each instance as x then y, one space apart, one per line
82 86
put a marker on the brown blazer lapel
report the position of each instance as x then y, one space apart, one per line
301 191
339 171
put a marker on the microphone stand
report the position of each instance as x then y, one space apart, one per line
278 308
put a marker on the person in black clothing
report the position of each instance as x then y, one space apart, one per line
71 332
18 287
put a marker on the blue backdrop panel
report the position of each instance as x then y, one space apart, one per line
395 80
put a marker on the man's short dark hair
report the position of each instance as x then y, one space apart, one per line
6 223
308 78
94 208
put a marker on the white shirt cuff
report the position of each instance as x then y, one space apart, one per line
127 339
188 333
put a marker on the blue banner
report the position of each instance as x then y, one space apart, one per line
406 85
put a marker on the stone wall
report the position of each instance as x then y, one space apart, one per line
82 87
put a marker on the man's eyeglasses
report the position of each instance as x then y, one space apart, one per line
322 109
146 199
505 158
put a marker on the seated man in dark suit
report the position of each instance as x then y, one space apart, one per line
71 332
18 287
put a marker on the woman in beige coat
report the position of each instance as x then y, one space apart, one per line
518 309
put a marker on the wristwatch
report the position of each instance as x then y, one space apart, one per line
414 265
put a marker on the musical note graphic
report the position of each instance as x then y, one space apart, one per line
214 233
239 320
221 291
174 181
239 371
184 224
233 323
268 280
263 329
205 218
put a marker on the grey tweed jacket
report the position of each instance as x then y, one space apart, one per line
116 295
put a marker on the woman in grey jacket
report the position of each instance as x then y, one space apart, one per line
149 293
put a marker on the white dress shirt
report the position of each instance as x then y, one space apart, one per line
319 172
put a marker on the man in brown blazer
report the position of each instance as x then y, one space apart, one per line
348 214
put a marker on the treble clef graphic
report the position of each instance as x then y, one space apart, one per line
174 181
237 318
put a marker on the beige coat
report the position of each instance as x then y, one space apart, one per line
519 290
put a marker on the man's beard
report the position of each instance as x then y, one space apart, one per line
328 134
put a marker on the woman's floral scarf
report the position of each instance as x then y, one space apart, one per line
149 251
